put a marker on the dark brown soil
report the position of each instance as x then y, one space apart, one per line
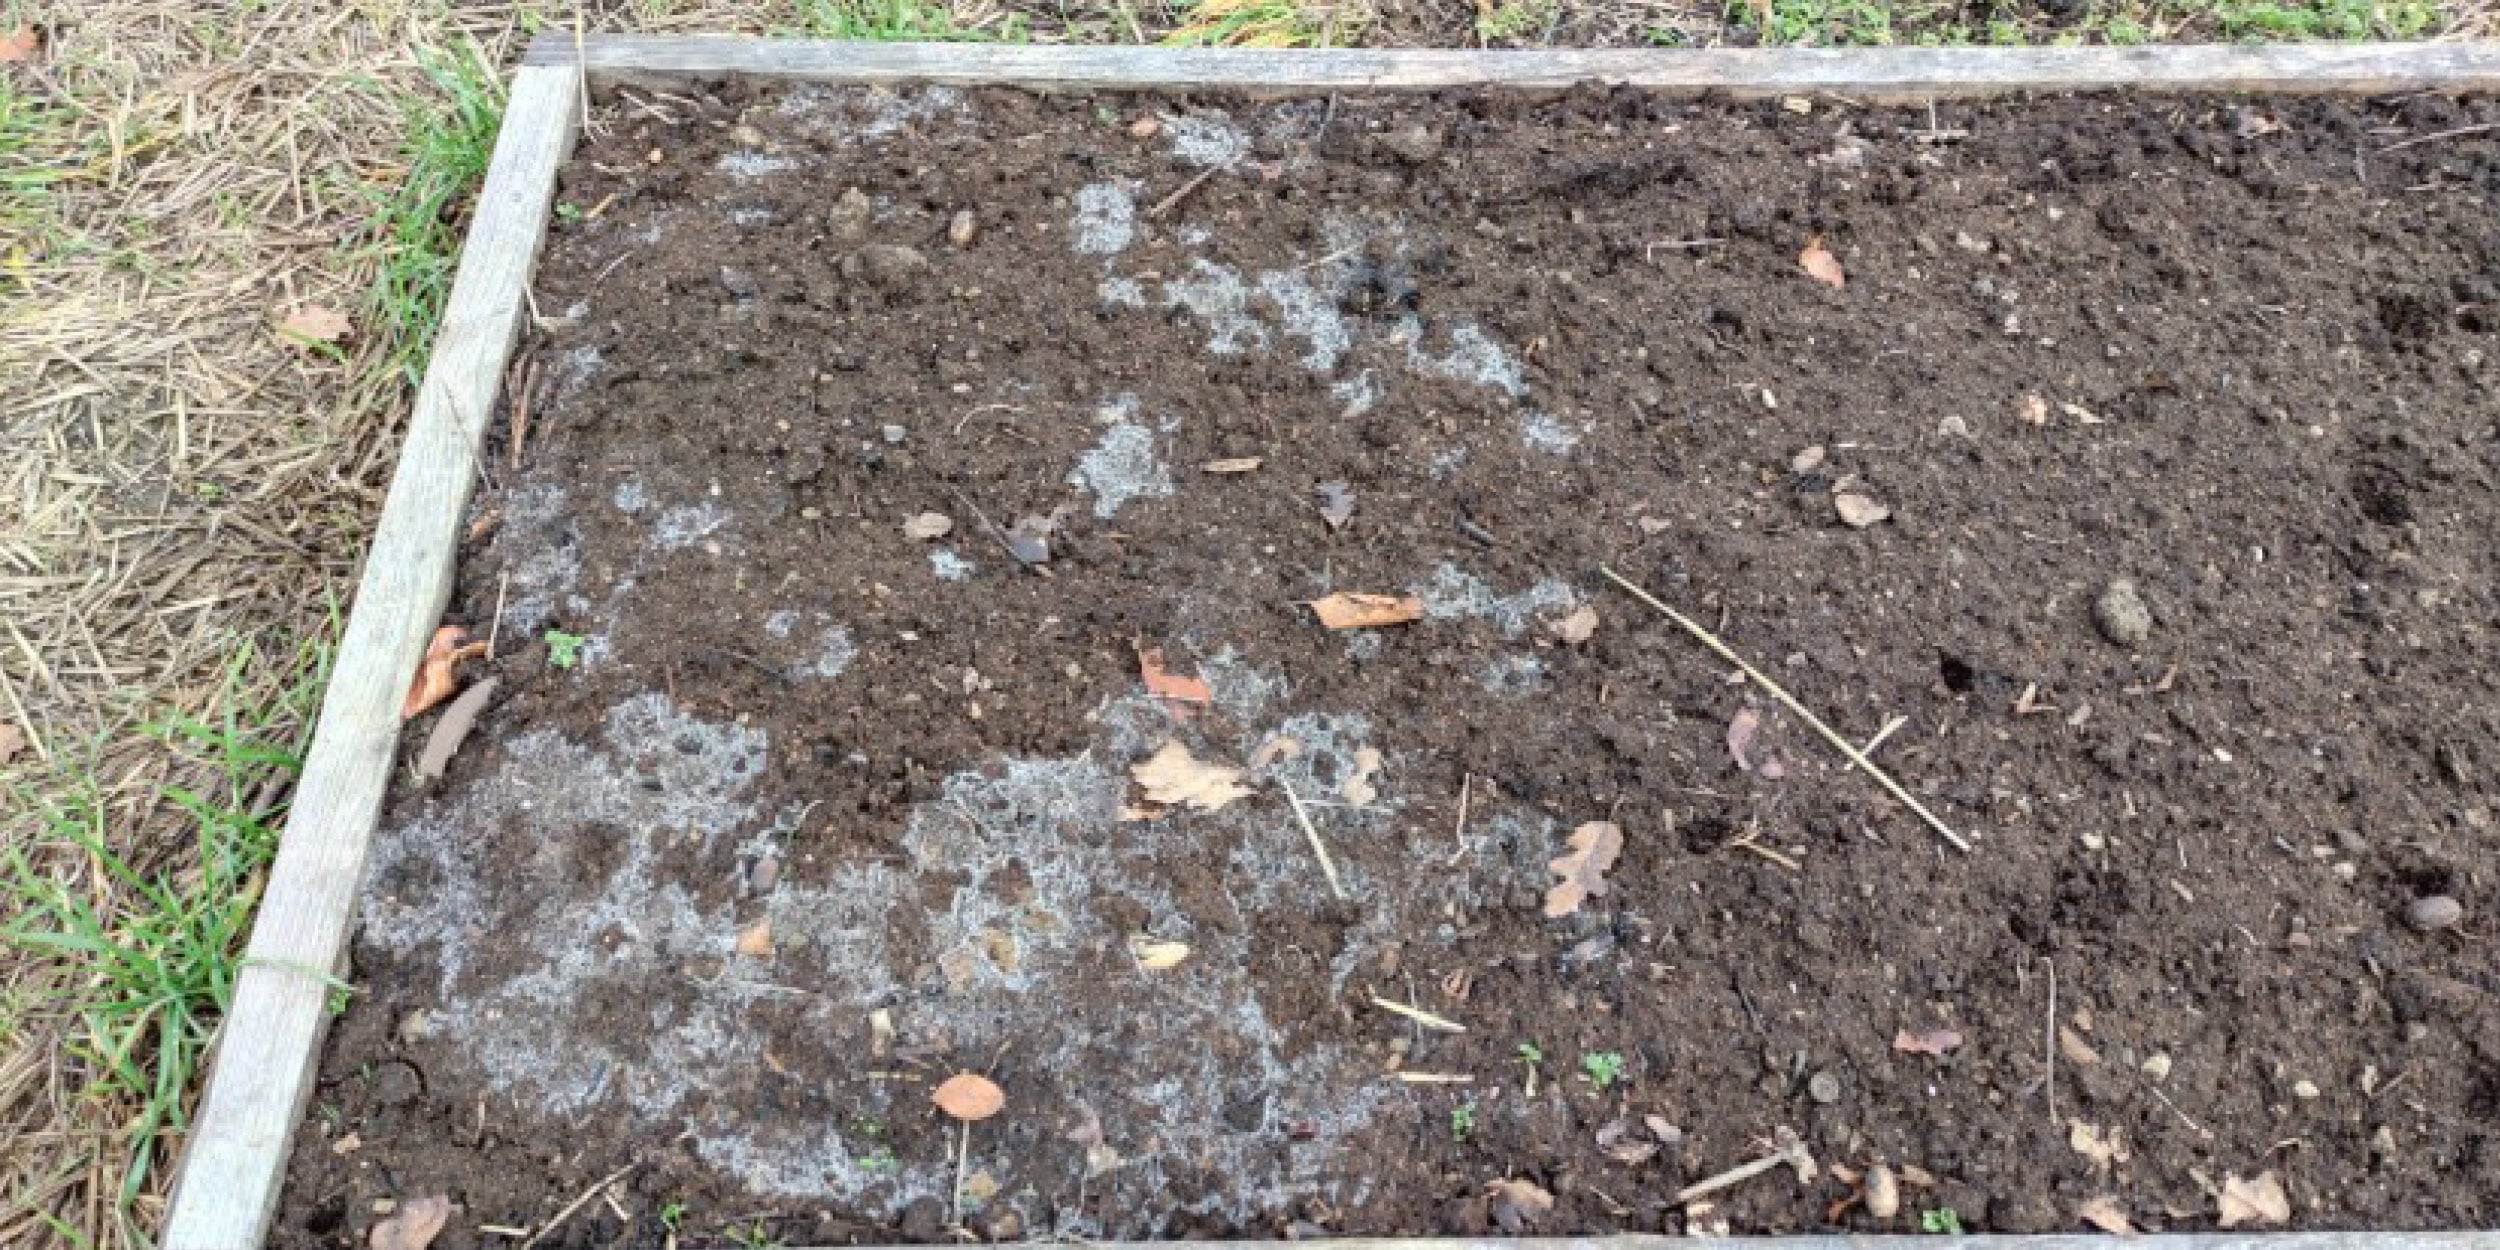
1530 340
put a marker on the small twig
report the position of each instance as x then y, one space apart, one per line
1466 781
963 1166
1418 1015
2049 1041
1790 702
2164 1099
2436 136
576 1205
1318 847
522 381
1331 258
1792 1155
1435 1078
1477 533
1878 740
494 628
1165 204
1748 843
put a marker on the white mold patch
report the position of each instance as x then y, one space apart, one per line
688 524
1542 432
753 164
1105 221
1206 142
630 496
1122 467
1309 314
536 542
1454 593
1472 357
1512 675
949 566
1216 295
1120 293
1358 394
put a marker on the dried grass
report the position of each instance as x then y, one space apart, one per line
177 482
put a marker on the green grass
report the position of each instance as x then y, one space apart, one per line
1462 1121
1943 1220
895 21
418 224
1837 23
155 954
1514 21
1265 24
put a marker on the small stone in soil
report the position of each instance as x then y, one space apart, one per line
1823 1087
2121 615
962 228
2434 912
889 267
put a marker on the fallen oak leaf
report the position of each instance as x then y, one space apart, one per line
1820 265
2258 1201
1937 1042
1594 847
2104 1213
316 323
1162 683
1352 610
436 673
414 1226
1174 777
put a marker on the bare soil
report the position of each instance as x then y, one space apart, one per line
806 768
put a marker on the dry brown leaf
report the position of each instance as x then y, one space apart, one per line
1820 265
1515 1200
1576 627
316 323
1350 610
437 673
1937 1042
929 525
2035 410
1857 511
1154 954
969 1096
2072 1048
414 1226
2259 1201
1174 777
1163 684
19 45
2102 1148
756 940
1741 729
1616 1142
1594 847
2105 1214
12 741
1238 464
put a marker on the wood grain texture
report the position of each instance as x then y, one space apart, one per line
1872 74
236 1158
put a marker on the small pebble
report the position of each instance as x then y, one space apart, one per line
2434 912
2121 614
1824 1088
2304 1090
963 228
1883 1192
893 433
2157 1067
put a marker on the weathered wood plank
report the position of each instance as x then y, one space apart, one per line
1874 74
1997 1241
227 1190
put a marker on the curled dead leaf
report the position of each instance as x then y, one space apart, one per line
20 44
756 940
414 1226
1820 265
437 675
2072 1048
12 741
1515 1200
2258 1201
1351 610
1358 790
1576 627
2104 1213
1174 777
1857 511
969 1096
1154 954
1937 1042
1741 729
316 323
929 525
1594 847
2103 1148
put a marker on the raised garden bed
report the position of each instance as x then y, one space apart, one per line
789 805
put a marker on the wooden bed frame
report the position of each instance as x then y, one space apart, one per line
262 1077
